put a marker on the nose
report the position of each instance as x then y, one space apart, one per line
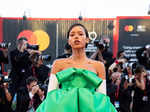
76 36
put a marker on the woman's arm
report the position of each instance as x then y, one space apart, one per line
102 87
53 82
100 68
102 74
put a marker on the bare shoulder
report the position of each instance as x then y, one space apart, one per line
100 68
58 65
96 63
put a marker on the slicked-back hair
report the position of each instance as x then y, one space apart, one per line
77 24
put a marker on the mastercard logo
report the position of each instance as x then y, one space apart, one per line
38 37
128 28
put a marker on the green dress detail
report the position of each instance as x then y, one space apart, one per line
77 94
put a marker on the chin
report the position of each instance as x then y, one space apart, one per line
78 47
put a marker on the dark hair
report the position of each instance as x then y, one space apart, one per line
31 79
34 57
115 69
77 24
67 46
139 69
119 53
21 39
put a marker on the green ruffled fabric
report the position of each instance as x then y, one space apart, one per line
77 94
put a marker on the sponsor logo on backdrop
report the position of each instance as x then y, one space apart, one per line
38 37
141 28
131 28
128 28
92 37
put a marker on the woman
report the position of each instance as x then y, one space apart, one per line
78 78
141 90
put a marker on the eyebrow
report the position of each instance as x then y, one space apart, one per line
77 32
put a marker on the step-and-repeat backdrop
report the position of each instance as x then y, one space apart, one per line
50 34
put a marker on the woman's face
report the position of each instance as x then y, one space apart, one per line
77 37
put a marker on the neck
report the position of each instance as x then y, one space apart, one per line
79 54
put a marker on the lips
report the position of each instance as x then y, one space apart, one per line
76 41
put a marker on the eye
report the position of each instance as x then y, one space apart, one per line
81 34
71 35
